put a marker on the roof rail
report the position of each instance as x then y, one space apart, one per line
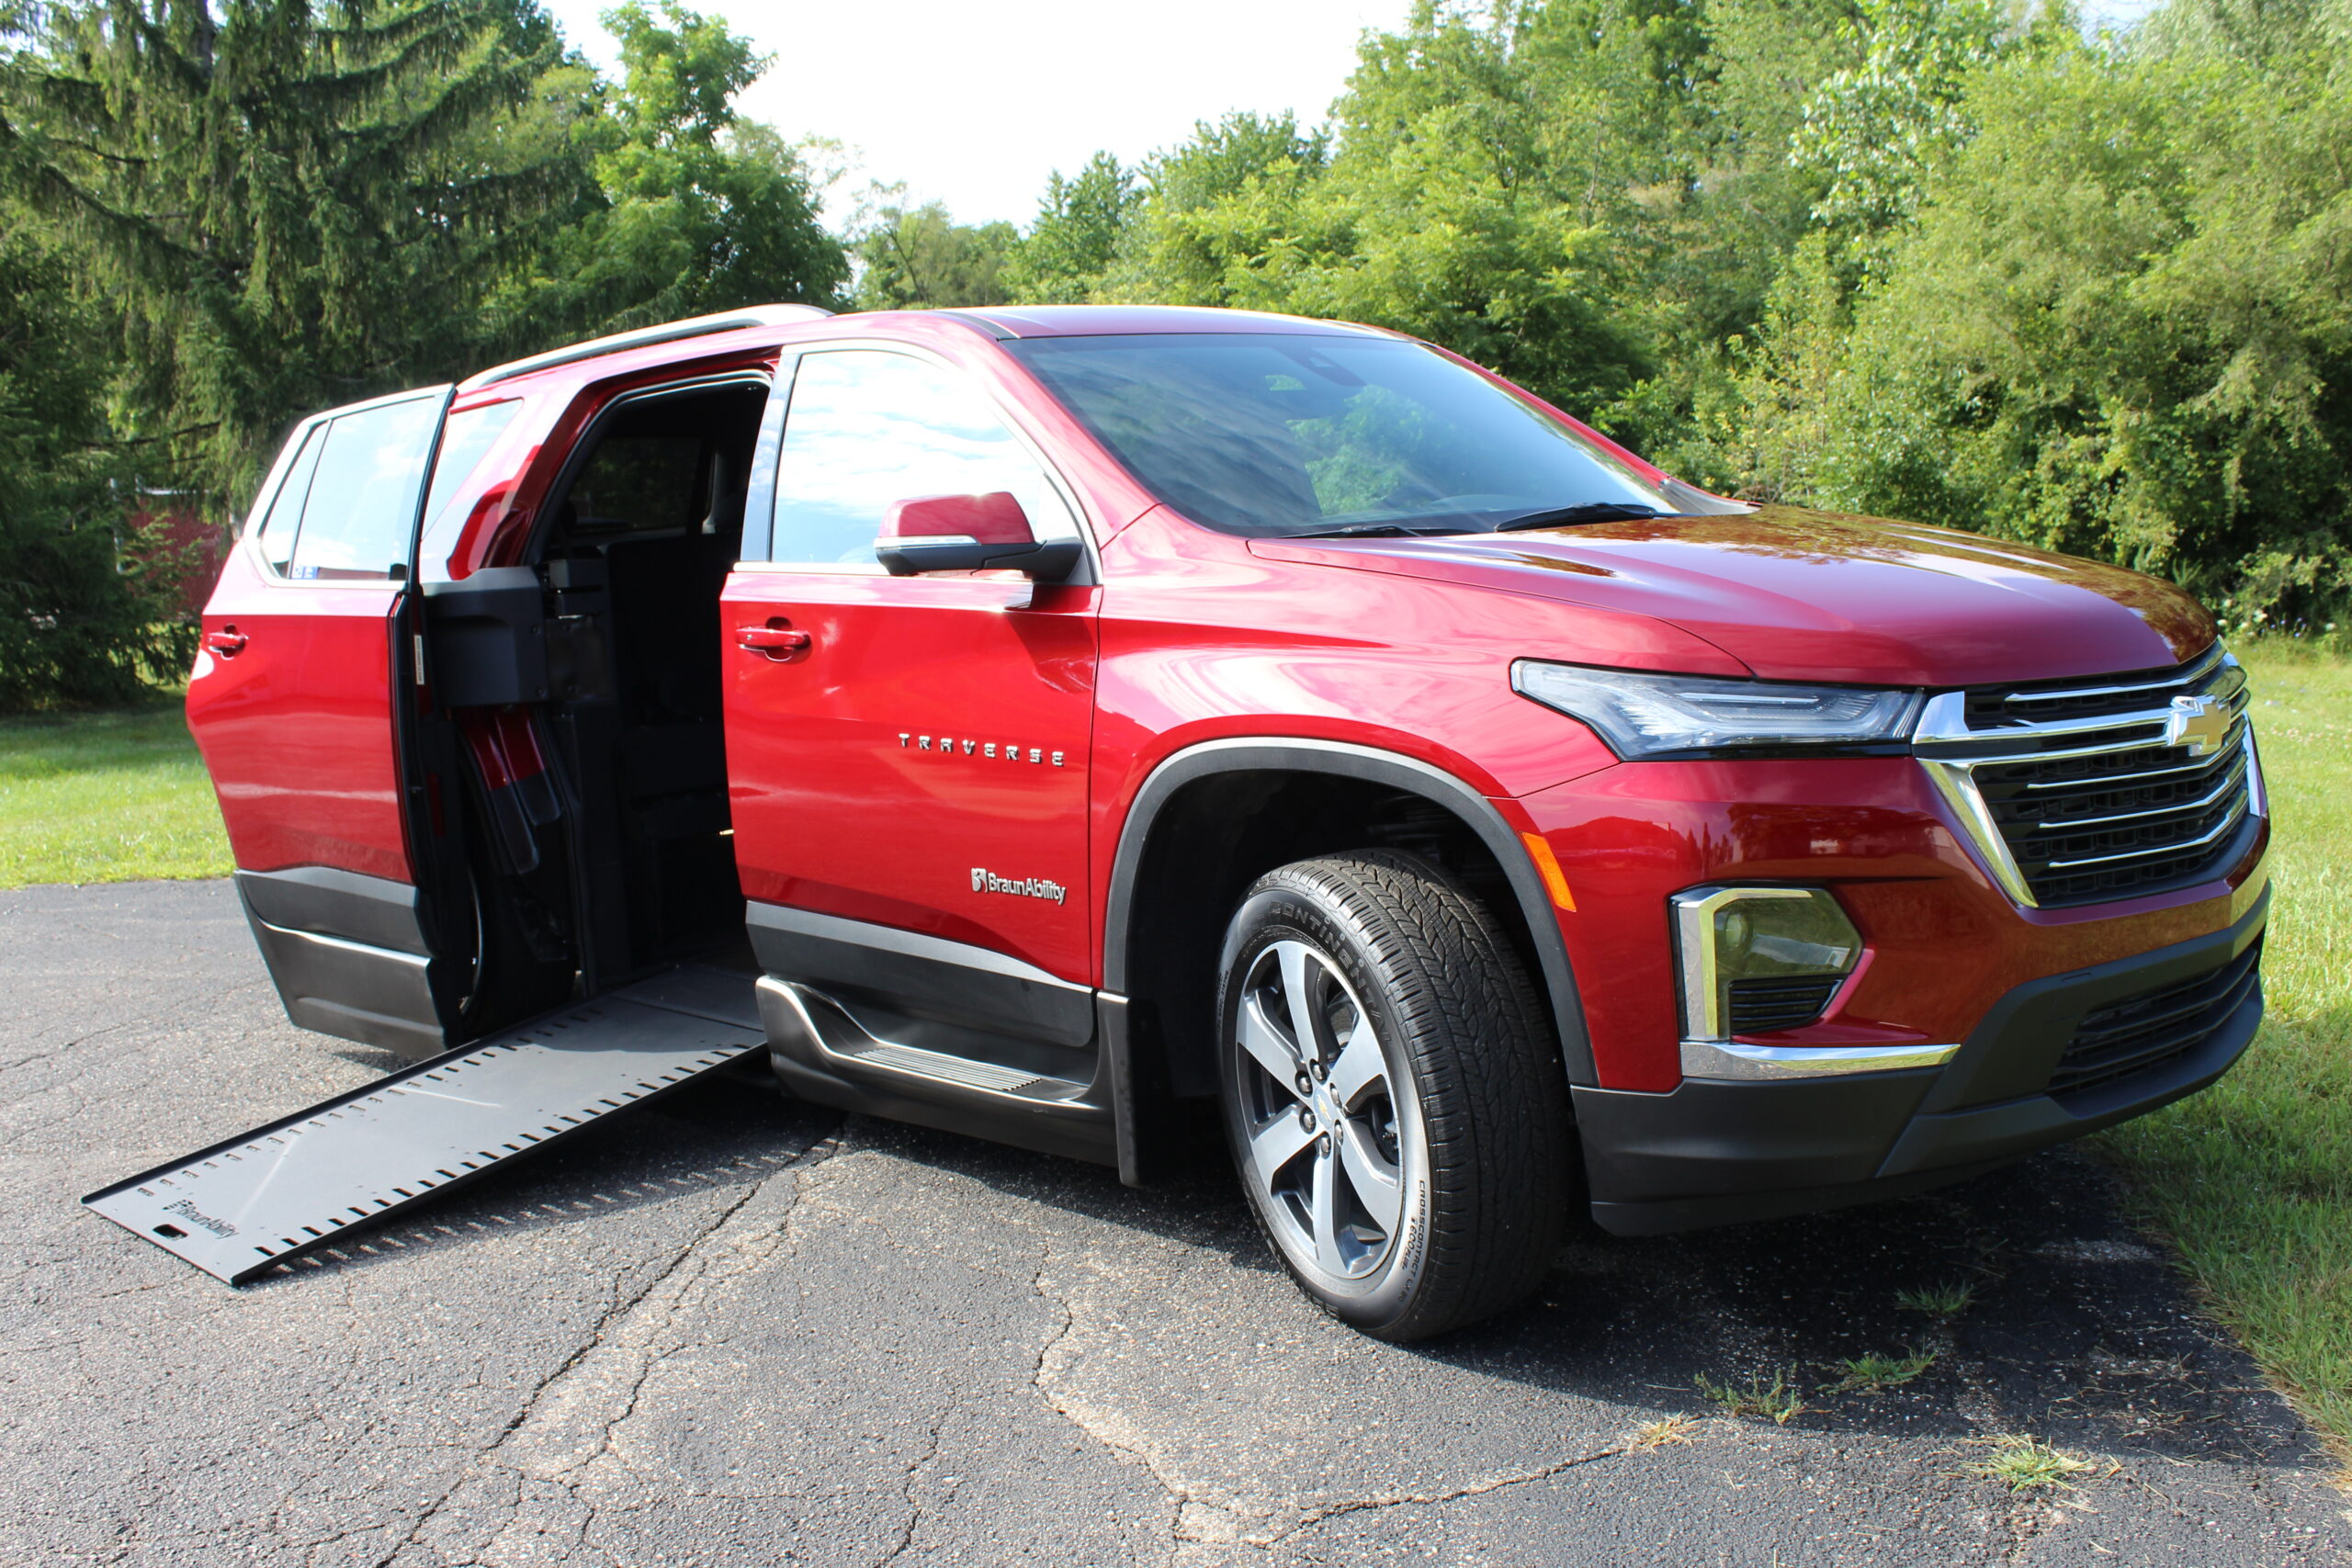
668 332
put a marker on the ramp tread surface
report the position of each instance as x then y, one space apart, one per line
244 1206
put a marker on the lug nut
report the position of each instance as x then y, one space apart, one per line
1307 1117
1304 1087
1321 1072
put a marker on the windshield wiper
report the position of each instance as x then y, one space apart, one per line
1585 512
1377 531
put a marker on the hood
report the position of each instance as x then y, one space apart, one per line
1805 595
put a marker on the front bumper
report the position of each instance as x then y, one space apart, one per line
1718 1150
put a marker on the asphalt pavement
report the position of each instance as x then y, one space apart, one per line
729 1329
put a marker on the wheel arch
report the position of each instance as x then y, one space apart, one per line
1140 866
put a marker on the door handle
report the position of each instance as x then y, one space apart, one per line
778 639
224 642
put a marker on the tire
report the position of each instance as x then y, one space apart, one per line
1416 1179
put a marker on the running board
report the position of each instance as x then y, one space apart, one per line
241 1208
808 1024
825 1054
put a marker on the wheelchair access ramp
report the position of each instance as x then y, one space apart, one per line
241 1208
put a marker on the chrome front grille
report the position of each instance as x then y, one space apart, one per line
2084 792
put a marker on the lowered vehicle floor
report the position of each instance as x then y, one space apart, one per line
241 1208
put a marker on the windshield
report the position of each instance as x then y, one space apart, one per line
1272 435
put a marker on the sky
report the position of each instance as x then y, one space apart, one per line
979 116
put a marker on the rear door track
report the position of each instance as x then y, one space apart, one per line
241 1208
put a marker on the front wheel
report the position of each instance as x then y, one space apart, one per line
1392 1093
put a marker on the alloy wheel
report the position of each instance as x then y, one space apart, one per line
1325 1122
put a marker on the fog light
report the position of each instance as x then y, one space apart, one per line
1753 960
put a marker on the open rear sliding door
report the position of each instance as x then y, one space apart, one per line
292 702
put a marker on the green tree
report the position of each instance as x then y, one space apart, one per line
1873 130
1063 257
82 619
2121 326
276 205
1589 194
1210 212
913 258
695 208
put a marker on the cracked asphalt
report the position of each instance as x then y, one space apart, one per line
729 1329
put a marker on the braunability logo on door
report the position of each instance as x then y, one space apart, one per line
1022 887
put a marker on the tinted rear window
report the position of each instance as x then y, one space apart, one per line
284 516
361 511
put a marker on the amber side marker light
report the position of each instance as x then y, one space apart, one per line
1547 865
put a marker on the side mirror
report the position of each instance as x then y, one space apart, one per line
970 533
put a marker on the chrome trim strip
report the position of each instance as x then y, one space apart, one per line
2076 823
1719 1059
890 939
1954 781
1694 916
2228 823
2202 765
1944 721
2134 743
393 955
2188 674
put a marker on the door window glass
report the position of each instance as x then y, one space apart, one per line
639 484
362 507
467 436
278 524
866 428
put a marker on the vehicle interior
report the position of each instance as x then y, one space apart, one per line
632 549
641 531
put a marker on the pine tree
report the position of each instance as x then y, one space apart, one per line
279 205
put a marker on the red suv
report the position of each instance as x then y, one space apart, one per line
1068 718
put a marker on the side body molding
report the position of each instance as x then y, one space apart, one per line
1278 754
348 954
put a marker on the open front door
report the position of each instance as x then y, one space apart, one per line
292 703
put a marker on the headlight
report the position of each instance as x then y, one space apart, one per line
1753 960
1641 714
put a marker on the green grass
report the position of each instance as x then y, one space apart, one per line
1870 1372
106 797
1779 1401
2026 1464
1947 1300
2252 1179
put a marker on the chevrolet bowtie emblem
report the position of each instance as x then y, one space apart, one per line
2199 725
